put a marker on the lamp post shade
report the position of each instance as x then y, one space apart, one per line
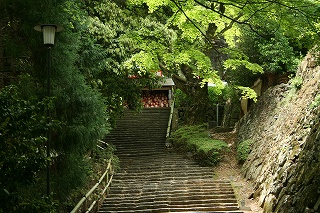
49 31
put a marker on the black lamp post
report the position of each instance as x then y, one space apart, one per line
49 31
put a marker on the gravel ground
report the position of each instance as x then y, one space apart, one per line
230 169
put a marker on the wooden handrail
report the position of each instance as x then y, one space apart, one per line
170 119
109 171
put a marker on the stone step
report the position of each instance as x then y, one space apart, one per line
155 210
165 185
167 192
164 174
134 141
167 208
161 165
143 117
138 136
155 179
124 195
152 178
142 133
138 188
174 198
134 132
147 123
164 199
131 126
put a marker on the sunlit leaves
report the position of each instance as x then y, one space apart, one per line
248 93
235 63
152 41
101 31
192 16
143 61
155 4
232 36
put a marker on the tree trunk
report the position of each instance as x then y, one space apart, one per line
196 112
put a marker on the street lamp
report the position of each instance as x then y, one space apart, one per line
49 31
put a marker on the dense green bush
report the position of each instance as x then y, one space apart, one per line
23 161
243 150
96 163
196 140
214 94
180 98
296 82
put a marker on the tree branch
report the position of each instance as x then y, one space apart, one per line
163 67
178 78
233 20
194 24
229 26
303 13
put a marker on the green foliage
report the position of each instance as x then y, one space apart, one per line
235 63
164 44
180 98
214 94
277 55
188 131
102 156
97 164
21 139
23 128
243 150
108 42
233 40
316 102
195 139
29 201
248 93
208 151
80 107
296 83
230 93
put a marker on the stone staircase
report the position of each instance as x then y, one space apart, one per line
153 178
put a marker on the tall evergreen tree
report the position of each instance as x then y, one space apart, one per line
79 107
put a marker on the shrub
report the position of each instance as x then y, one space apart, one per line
214 94
316 102
181 99
196 140
296 83
23 151
243 150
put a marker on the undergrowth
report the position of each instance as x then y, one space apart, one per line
243 150
98 159
316 102
196 141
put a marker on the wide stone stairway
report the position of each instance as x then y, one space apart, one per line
153 178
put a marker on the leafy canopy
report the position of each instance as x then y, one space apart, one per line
227 36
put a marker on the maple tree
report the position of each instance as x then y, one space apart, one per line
197 42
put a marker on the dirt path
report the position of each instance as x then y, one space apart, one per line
230 169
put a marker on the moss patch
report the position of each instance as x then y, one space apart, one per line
243 150
196 141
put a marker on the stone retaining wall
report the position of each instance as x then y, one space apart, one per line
285 158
